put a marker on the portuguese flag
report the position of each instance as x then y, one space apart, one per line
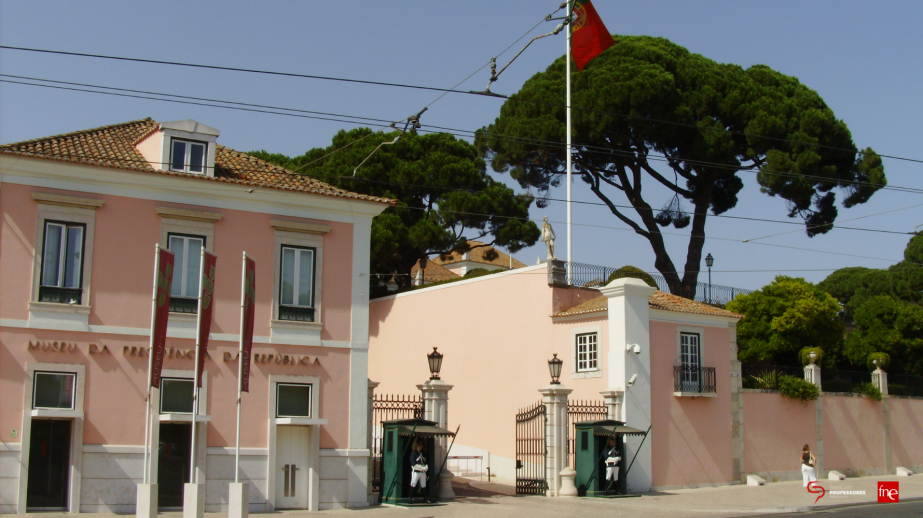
589 35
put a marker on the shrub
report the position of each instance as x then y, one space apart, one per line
868 389
797 388
806 359
884 360
768 379
633 272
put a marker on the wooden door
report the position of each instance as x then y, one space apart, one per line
293 472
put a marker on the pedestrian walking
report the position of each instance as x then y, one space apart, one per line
808 465
612 465
418 469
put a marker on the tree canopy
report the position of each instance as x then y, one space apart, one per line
783 318
445 197
647 111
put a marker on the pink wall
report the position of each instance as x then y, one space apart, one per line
493 344
775 429
690 437
853 433
114 397
123 262
906 432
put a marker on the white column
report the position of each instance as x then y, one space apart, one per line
880 380
436 409
613 401
812 374
554 397
629 369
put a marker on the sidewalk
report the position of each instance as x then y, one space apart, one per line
487 499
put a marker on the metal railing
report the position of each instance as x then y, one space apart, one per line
594 276
530 450
578 411
905 385
60 295
696 380
467 466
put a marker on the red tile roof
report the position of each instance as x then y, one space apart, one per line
433 273
659 300
476 255
114 146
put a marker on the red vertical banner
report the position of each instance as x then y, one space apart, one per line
161 302
248 303
206 309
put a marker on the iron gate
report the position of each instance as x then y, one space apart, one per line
530 450
385 408
578 411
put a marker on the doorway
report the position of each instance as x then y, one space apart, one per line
174 455
49 465
292 455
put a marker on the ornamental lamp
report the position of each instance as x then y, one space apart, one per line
554 367
435 363
423 261
709 261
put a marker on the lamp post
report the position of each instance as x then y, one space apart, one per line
435 363
554 367
709 261
423 261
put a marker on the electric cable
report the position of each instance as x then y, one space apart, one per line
430 88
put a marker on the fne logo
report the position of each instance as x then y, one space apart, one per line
888 492
814 487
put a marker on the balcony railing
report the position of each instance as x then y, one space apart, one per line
689 379
183 305
593 276
60 295
296 313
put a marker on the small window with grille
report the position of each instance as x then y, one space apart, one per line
587 352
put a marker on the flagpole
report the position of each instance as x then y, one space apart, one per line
195 381
240 364
150 369
570 234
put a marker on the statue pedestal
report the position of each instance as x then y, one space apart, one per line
557 273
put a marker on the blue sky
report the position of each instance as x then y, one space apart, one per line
862 57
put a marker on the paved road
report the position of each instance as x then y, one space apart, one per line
902 510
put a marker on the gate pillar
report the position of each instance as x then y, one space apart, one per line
554 397
436 408
371 430
613 401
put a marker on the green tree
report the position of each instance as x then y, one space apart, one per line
784 317
649 111
884 324
445 197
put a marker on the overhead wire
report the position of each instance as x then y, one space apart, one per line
437 89
454 131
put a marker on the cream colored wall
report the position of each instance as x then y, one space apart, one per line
906 432
775 429
691 437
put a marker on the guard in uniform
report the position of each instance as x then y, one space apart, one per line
418 469
612 465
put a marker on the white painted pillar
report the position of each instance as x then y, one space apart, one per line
880 380
613 401
436 408
629 369
554 397
812 374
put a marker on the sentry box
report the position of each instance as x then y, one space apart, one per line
593 449
397 442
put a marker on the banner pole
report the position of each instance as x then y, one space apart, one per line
240 364
568 157
195 380
150 369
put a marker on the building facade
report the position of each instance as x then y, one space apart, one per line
81 215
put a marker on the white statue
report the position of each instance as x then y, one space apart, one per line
548 238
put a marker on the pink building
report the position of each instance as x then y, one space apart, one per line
81 214
663 362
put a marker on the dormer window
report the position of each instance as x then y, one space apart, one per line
188 156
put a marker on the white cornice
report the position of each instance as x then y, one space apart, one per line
67 201
186 191
627 287
296 226
194 215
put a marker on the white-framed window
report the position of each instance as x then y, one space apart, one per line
62 262
587 347
296 284
188 156
690 357
53 390
177 395
187 256
294 400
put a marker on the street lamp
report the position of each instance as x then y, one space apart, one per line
709 262
423 261
554 367
435 363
